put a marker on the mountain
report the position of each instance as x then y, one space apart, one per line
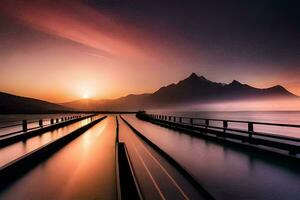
193 89
83 104
15 104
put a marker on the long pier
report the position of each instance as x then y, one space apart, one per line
147 156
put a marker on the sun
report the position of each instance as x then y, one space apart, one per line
85 96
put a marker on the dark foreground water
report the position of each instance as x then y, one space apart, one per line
285 117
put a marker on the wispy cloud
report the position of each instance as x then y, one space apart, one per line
76 22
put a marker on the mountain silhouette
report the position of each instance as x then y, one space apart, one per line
15 104
193 89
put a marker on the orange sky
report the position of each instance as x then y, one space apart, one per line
60 51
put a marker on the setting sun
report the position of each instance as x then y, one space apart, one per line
85 96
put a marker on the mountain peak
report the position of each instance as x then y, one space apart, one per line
193 75
235 82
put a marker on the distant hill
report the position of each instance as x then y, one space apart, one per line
193 89
84 104
15 104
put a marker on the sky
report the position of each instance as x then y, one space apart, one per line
63 50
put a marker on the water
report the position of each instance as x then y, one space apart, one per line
282 117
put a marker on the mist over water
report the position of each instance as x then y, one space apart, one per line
279 112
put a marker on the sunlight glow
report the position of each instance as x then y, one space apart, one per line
85 96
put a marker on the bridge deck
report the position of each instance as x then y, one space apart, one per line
83 169
157 178
226 172
18 149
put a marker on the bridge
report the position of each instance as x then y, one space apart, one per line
146 156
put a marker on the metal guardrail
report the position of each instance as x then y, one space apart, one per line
27 125
16 168
10 138
291 144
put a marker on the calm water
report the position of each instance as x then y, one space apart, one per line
285 117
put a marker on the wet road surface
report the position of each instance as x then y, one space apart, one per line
83 169
18 149
225 172
156 177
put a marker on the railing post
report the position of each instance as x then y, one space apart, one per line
169 118
41 123
191 121
180 119
57 120
250 130
24 125
52 121
207 123
225 125
62 119
174 119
